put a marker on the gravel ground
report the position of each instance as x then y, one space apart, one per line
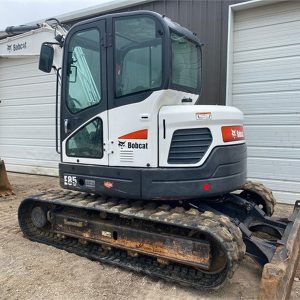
34 271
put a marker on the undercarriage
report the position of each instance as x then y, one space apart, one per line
196 243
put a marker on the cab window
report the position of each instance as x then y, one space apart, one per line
84 70
87 141
138 55
186 62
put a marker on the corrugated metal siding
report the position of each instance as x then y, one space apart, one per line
266 86
27 117
207 18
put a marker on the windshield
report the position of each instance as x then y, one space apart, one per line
186 62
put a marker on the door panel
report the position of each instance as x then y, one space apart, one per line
84 127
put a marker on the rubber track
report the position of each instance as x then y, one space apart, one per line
264 192
219 228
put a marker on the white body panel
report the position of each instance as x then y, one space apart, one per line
127 119
148 115
90 161
184 117
265 85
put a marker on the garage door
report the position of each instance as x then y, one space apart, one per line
27 117
266 87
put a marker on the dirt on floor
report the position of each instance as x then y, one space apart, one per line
29 270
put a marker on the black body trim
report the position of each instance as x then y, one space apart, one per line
224 171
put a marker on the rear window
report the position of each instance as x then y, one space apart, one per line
186 62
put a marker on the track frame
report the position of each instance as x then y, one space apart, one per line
225 236
233 224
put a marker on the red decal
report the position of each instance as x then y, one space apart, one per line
108 184
233 133
136 135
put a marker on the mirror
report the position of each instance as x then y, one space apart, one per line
46 58
72 74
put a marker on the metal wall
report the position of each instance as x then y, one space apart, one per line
27 110
208 18
265 85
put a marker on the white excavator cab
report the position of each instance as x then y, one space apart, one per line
130 83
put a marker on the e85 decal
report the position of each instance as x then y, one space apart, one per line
70 180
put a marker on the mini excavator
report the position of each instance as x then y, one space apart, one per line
152 181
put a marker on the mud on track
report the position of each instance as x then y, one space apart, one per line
34 271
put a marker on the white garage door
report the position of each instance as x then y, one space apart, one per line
27 117
266 87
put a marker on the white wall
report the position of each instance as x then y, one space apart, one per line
27 117
264 82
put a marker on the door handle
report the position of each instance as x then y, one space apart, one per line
67 125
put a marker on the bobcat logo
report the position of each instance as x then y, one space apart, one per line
121 144
9 48
233 133
237 134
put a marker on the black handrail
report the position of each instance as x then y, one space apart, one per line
56 109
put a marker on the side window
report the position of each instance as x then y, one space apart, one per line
185 62
84 70
87 142
138 55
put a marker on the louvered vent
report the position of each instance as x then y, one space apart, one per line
188 146
126 156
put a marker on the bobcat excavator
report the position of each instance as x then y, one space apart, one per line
153 182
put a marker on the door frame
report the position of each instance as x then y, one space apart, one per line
78 120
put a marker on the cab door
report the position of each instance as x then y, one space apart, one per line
84 124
